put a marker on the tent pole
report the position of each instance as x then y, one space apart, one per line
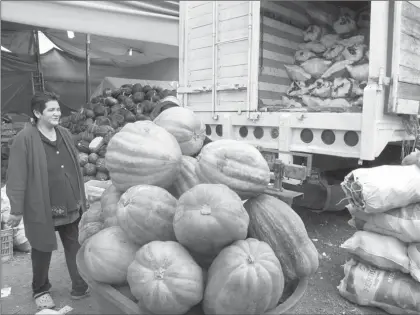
37 53
87 68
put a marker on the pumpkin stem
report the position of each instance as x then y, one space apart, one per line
159 273
250 259
205 210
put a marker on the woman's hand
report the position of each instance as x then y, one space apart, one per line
14 220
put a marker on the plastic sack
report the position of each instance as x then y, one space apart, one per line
337 70
316 66
357 102
286 102
91 222
337 103
414 256
316 47
297 88
303 55
384 252
358 87
296 73
94 190
345 24
313 33
402 223
394 292
333 52
354 40
329 40
320 88
313 102
342 87
382 188
359 72
354 53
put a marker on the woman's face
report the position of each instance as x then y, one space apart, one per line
51 114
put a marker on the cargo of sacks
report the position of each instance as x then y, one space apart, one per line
383 269
330 66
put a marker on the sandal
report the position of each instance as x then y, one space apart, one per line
44 301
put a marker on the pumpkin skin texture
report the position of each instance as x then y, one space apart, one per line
108 254
109 205
146 213
245 278
238 165
143 153
274 222
209 217
186 178
165 279
185 126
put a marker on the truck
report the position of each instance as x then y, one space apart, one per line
232 68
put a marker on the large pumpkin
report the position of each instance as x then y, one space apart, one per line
186 178
186 127
165 279
209 217
274 222
109 205
146 214
143 153
238 165
108 255
245 278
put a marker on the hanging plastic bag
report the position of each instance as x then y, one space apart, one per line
381 251
414 256
297 73
394 292
316 66
382 188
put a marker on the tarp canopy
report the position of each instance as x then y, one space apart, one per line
65 75
149 28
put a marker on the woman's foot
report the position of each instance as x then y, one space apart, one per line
79 295
44 301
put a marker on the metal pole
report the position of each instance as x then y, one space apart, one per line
87 68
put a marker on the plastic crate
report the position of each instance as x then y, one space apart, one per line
6 245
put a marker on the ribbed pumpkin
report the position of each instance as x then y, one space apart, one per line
143 153
245 278
186 127
109 205
165 279
238 165
274 222
108 254
209 217
146 214
186 178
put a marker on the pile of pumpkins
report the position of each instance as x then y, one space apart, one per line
185 233
94 126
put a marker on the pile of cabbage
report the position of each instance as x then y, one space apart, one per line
331 67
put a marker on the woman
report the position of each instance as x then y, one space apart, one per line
45 186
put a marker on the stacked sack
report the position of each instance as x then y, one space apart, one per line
384 269
332 66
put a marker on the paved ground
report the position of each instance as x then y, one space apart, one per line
328 231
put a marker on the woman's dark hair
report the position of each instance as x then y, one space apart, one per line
39 101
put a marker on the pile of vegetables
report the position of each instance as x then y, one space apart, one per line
93 127
173 232
331 67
